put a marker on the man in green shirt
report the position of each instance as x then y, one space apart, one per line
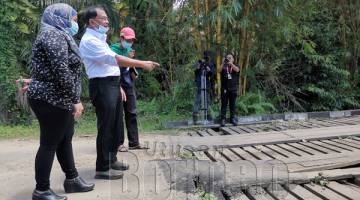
128 76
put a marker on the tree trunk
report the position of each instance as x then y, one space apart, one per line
218 44
243 55
208 26
196 30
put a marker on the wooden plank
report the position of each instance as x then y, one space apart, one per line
212 132
258 193
295 125
280 192
268 151
280 151
228 131
356 138
254 128
238 196
340 146
349 121
257 153
268 127
354 187
344 190
356 147
203 133
323 191
322 123
322 162
246 129
200 155
217 156
303 148
350 140
269 137
317 147
334 121
229 154
337 123
303 124
293 150
312 125
239 131
302 192
193 133
281 126
336 149
331 175
243 154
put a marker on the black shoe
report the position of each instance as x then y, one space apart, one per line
109 175
138 147
77 185
222 122
119 166
47 195
233 121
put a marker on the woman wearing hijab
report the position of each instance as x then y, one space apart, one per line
54 96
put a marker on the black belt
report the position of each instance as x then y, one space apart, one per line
107 78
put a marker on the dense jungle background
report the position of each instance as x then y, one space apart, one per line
294 55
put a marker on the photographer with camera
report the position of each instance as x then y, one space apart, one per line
204 70
229 87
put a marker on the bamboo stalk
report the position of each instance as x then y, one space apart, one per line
218 43
196 31
243 50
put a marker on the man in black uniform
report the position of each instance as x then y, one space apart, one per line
229 88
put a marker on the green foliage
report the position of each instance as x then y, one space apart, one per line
303 55
17 25
254 103
302 65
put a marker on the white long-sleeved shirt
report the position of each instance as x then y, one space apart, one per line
98 58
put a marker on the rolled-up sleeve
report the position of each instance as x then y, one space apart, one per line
98 51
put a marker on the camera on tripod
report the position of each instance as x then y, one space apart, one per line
202 64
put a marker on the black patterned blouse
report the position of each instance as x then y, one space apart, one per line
55 71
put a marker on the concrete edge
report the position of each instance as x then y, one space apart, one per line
269 117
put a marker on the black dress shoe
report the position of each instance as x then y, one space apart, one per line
109 175
77 185
222 122
119 166
47 195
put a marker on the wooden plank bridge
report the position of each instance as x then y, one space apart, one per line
327 149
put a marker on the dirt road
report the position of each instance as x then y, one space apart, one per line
17 172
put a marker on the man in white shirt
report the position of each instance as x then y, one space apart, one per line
102 68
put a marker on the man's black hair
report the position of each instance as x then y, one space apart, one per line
91 13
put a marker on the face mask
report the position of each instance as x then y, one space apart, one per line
73 30
102 29
125 44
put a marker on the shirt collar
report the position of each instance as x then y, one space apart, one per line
96 34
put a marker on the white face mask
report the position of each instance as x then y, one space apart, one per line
73 30
102 29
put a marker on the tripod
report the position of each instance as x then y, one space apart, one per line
204 96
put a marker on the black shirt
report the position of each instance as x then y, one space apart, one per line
55 71
231 84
